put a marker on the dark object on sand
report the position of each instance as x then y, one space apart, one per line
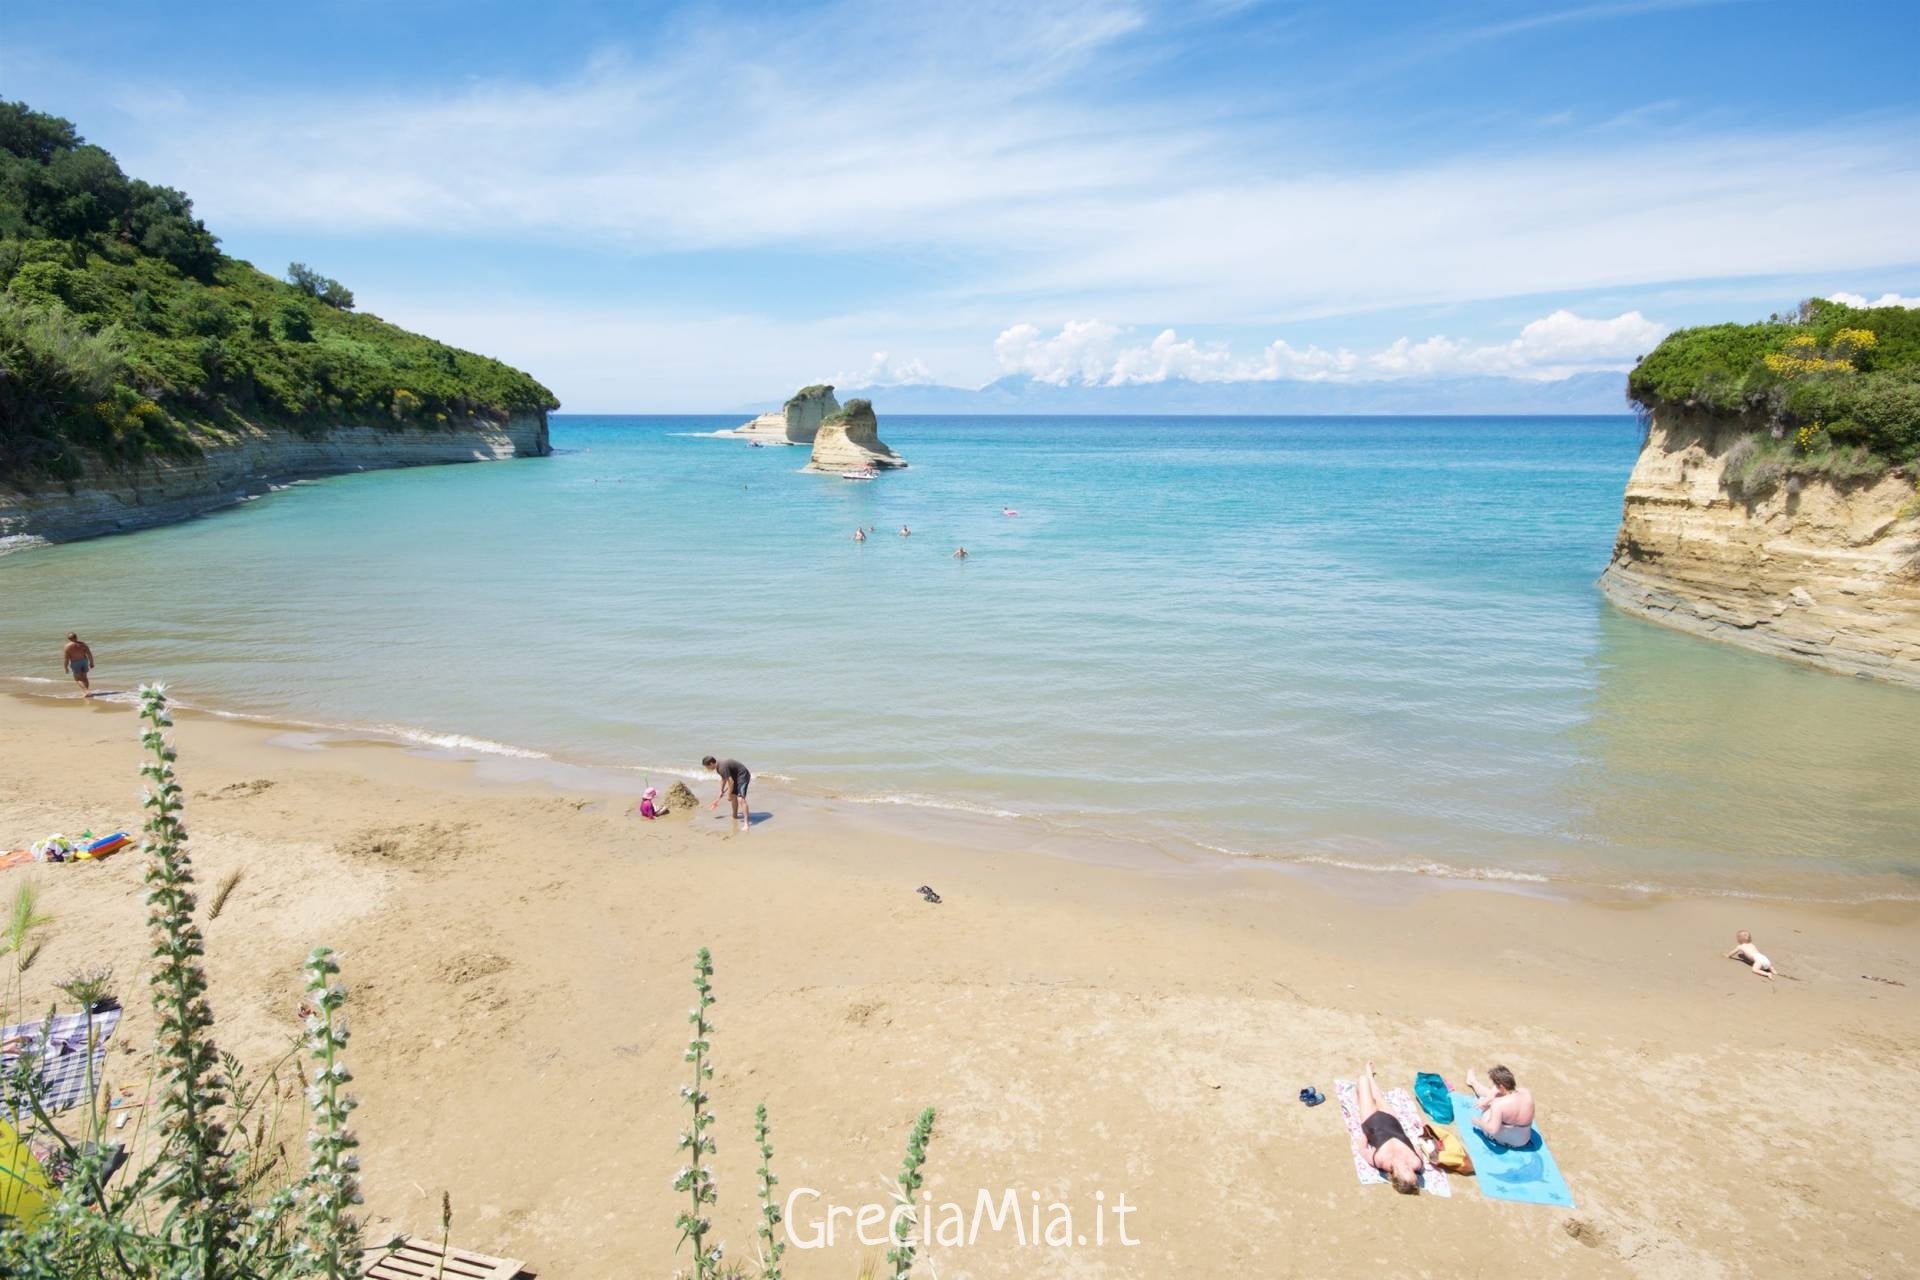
928 894
1312 1096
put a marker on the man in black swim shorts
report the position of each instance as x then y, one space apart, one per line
735 778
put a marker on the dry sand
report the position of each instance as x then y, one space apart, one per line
519 957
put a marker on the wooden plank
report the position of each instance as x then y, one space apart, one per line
418 1259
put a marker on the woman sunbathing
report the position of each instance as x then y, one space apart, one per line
1389 1149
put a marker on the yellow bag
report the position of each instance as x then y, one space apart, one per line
25 1192
1449 1152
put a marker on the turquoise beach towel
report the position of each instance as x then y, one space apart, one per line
1527 1174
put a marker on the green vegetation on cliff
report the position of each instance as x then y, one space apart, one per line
125 332
1837 388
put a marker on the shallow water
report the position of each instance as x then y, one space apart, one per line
1367 641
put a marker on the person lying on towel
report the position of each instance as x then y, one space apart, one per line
1389 1149
1506 1110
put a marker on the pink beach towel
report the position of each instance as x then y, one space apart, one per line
1433 1180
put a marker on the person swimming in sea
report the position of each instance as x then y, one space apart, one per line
1008 511
859 535
961 554
905 532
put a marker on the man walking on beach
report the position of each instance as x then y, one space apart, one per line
78 659
735 778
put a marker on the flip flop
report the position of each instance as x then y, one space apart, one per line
1312 1096
928 894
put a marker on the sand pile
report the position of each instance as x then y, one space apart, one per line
680 798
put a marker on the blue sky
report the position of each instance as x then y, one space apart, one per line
699 207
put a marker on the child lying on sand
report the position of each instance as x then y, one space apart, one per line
1746 953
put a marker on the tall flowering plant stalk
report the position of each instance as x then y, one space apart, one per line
771 1246
196 1179
695 1179
330 1234
909 1182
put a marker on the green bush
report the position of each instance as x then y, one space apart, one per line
1810 368
88 253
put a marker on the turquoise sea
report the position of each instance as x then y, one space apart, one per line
1369 642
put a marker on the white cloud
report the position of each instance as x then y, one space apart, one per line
1563 343
876 130
1095 353
884 370
639 359
1083 351
1884 300
1039 174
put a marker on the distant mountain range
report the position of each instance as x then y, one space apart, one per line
1583 393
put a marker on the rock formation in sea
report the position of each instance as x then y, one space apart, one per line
1818 570
850 439
795 422
250 460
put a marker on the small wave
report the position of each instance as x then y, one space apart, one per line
666 771
929 802
1443 871
1759 895
419 737
460 742
695 775
1437 870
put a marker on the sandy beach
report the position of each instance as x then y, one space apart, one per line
519 957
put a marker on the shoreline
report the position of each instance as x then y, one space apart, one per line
517 953
1008 830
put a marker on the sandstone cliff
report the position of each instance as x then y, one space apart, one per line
243 464
1815 571
795 422
850 440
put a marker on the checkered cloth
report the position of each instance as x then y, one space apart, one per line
56 1051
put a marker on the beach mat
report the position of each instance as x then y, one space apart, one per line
1526 1174
1433 1180
57 1048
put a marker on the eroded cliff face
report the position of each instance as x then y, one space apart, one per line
249 462
850 440
1815 572
797 421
